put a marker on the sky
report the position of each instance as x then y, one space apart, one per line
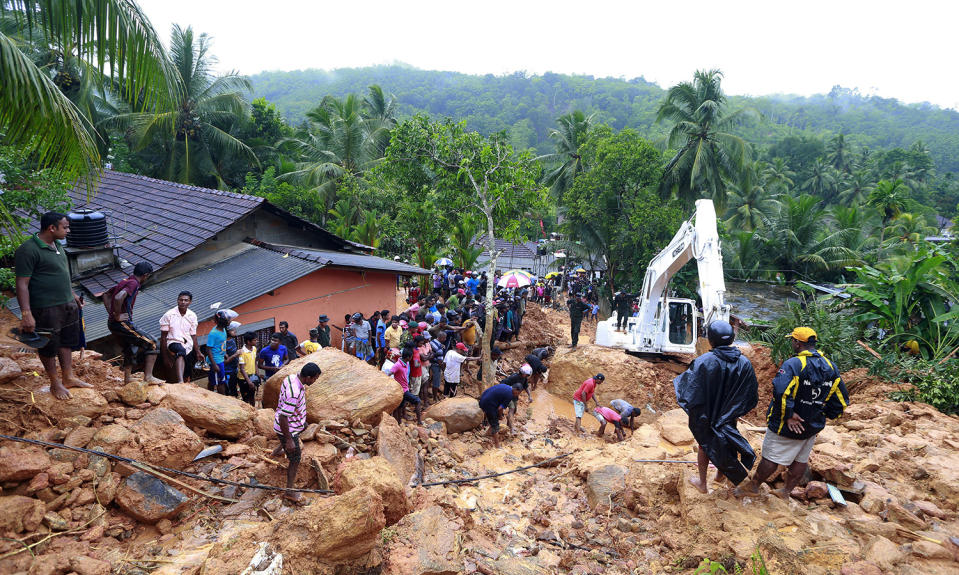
893 49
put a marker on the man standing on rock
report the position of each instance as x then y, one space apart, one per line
807 390
289 341
47 302
584 393
577 307
119 302
178 335
718 388
494 402
290 421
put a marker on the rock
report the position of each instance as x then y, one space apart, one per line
19 513
377 474
860 568
55 521
9 370
218 414
424 543
21 464
164 526
263 422
79 437
155 394
677 434
604 483
112 437
336 528
930 550
322 452
133 393
348 389
84 401
458 413
106 488
310 432
931 510
816 490
165 439
898 514
84 565
148 499
393 446
98 465
39 482
437 427
883 553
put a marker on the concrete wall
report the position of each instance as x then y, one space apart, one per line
332 291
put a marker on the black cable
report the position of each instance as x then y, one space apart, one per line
472 479
166 469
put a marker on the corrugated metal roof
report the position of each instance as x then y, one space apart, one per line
347 260
231 282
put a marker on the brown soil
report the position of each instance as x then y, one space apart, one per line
897 463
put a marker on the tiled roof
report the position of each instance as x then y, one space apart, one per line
344 259
506 248
220 282
157 221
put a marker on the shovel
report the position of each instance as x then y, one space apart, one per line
34 339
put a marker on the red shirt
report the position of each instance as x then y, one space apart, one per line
585 391
416 366
129 285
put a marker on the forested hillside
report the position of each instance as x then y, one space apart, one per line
528 107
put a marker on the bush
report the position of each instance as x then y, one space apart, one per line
932 383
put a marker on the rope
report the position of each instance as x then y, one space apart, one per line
140 464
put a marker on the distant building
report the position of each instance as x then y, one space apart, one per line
231 251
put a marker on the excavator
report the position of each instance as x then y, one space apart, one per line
669 325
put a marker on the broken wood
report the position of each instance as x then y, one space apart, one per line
869 349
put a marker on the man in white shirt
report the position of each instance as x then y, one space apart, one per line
454 360
178 334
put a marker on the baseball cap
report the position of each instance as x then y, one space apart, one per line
461 346
803 334
403 324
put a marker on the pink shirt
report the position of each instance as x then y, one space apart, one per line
585 391
180 328
292 404
401 373
608 414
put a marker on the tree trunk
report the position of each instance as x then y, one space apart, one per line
488 375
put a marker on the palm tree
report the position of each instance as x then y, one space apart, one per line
340 141
708 153
465 251
800 240
380 112
573 130
187 139
345 216
855 227
368 231
821 181
908 230
743 254
839 154
749 203
35 115
778 176
855 188
889 198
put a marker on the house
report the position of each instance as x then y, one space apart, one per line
230 251
527 256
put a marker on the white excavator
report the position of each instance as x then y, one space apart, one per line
668 325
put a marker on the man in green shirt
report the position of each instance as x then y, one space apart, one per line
46 299
323 331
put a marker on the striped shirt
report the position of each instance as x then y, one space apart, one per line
292 404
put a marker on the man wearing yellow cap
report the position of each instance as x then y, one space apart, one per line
807 390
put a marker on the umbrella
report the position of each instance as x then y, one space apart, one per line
443 262
514 279
521 272
551 275
580 271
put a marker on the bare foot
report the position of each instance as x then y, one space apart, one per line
150 380
745 489
58 391
695 482
75 383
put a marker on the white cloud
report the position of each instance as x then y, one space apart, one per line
894 49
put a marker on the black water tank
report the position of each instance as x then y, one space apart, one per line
88 229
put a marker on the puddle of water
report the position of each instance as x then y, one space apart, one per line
547 406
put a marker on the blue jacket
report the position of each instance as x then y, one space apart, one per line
810 385
380 329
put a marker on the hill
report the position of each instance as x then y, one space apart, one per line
527 106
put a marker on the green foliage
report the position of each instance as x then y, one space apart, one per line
757 566
27 189
298 201
837 329
931 382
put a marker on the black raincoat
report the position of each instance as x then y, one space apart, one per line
718 388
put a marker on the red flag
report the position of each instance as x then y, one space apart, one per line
542 229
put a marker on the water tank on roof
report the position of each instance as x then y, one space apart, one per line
88 228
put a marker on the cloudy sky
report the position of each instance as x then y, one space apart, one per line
896 49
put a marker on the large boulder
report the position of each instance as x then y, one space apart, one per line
602 484
393 445
164 439
348 389
148 499
83 401
458 413
336 528
22 464
263 422
220 415
377 474
19 513
424 543
112 437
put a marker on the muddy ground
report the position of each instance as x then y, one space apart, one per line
596 510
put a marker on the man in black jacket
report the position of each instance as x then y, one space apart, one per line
807 390
577 306
718 388
621 302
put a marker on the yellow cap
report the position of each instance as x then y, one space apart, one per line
803 334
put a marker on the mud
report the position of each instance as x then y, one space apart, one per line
598 510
